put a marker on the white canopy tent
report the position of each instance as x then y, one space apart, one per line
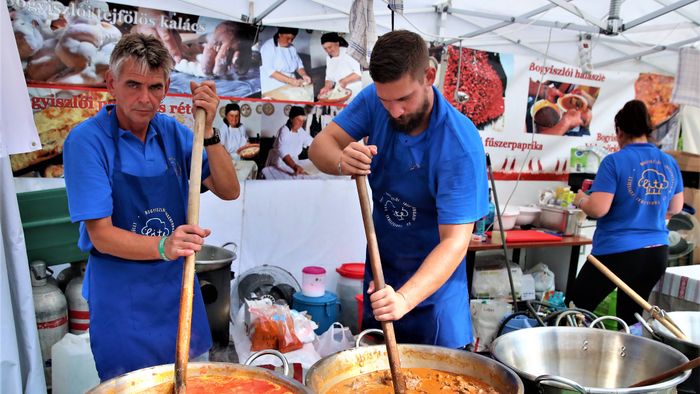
640 35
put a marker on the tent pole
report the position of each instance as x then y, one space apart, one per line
499 25
267 12
578 12
657 13
655 49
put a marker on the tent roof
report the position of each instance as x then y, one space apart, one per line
650 32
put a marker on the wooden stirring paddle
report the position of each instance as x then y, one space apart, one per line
694 363
376 265
184 324
665 320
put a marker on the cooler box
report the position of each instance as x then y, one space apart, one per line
323 310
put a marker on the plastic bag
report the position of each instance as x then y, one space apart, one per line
544 278
306 356
304 327
486 317
335 339
273 328
491 280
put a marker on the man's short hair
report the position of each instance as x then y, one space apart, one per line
147 51
397 53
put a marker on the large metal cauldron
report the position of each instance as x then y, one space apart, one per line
147 378
689 323
599 361
332 369
213 266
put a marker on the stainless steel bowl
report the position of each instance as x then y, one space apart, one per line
599 361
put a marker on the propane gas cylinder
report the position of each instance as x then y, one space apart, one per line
78 312
51 312
64 277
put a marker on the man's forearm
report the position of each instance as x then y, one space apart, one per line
325 153
435 270
124 244
223 174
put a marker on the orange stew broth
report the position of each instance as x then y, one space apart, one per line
224 385
418 380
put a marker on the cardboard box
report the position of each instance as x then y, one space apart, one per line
686 161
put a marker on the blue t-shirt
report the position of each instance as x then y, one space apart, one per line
88 157
451 148
418 183
644 180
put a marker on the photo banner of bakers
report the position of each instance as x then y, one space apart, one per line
538 119
541 120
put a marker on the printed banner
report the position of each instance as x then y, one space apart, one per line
65 49
538 120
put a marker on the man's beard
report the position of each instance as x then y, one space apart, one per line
409 122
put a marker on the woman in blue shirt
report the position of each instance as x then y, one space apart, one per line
634 190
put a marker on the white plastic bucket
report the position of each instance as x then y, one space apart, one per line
313 281
74 368
349 285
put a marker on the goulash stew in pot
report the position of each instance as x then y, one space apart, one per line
223 385
418 380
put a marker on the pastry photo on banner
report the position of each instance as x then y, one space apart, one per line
239 128
475 83
285 72
70 42
287 130
560 108
342 74
655 91
65 48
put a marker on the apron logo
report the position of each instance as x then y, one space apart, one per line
155 222
396 212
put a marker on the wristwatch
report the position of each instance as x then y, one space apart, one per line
214 139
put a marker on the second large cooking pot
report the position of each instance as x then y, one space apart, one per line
351 363
213 266
599 361
160 379
689 323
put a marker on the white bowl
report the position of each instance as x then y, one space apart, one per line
527 215
508 217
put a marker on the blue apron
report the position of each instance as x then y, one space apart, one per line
134 305
405 219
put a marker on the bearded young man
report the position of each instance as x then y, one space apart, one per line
426 167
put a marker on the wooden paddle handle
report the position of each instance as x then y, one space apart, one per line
184 326
376 265
634 296
694 363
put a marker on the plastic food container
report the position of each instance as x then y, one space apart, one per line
561 220
350 285
313 281
527 215
508 217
